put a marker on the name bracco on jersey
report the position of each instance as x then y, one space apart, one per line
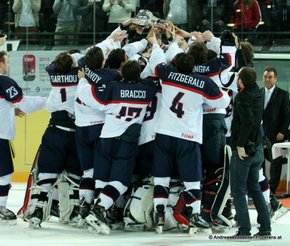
124 103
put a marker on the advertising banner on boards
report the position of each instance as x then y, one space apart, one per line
27 68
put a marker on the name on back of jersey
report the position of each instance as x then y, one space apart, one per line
201 69
132 94
59 80
92 76
187 79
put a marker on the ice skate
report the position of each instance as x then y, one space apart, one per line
84 211
7 216
97 219
159 218
277 209
115 217
73 218
197 223
36 218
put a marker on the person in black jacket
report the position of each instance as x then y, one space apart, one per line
247 156
276 120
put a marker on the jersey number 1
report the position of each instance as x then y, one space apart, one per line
63 94
177 106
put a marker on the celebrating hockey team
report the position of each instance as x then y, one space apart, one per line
154 128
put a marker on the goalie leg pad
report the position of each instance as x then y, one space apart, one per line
216 192
39 196
139 209
69 203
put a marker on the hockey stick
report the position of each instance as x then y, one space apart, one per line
31 178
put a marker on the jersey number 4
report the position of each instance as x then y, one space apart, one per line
177 106
129 113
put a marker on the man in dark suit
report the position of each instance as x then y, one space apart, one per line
276 120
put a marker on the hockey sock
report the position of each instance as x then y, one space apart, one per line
4 189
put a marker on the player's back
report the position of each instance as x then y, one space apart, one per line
126 104
62 94
98 79
182 98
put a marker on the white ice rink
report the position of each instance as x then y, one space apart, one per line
57 234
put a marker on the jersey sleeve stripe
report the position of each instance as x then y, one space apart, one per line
17 99
94 92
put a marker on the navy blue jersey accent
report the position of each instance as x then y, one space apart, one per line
57 79
141 92
81 62
99 76
10 90
192 82
214 66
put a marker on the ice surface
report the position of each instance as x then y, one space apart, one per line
57 234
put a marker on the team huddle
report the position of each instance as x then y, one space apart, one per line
137 133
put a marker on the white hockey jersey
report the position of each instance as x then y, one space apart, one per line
86 115
62 94
181 102
182 98
220 69
11 96
124 103
150 119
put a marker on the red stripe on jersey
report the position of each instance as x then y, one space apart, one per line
67 85
94 95
114 101
229 58
160 196
80 102
17 100
1 97
193 90
156 72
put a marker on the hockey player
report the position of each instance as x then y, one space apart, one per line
12 102
125 105
221 68
178 138
58 150
90 121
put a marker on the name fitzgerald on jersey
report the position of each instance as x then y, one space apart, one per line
132 94
186 79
